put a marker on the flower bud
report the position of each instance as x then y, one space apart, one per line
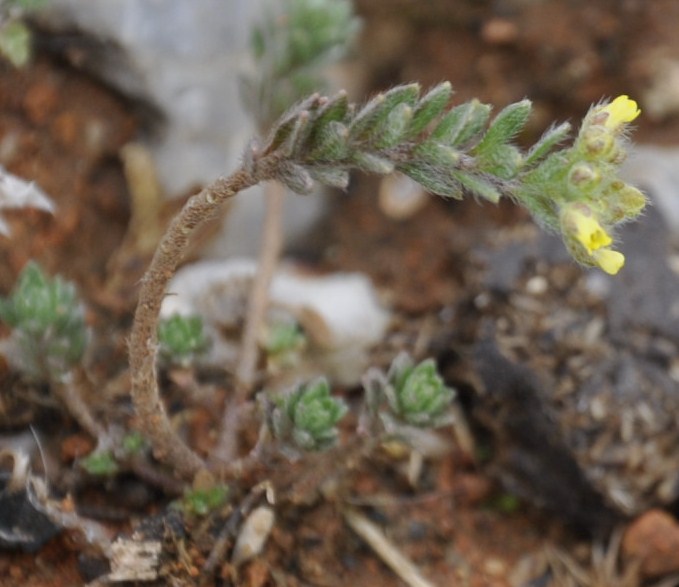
599 144
584 176
631 200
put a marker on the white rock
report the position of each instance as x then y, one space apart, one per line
340 313
18 193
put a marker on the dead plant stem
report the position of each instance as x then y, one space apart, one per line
270 250
72 389
269 253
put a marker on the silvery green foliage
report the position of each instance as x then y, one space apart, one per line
290 46
18 193
407 396
572 189
48 322
417 394
307 416
182 339
448 151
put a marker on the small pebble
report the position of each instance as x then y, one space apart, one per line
499 31
653 538
494 567
253 535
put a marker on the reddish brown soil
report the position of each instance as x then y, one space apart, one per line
64 130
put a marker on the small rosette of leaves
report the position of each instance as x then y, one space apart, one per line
201 502
182 339
100 464
48 322
307 417
284 344
107 462
416 394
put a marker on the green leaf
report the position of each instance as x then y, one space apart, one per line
371 163
181 339
331 176
29 5
430 107
502 162
506 125
336 109
200 502
393 129
433 179
100 464
419 395
437 155
331 144
295 177
133 443
283 338
462 123
550 139
478 185
473 124
15 43
48 321
285 133
308 416
313 30
374 114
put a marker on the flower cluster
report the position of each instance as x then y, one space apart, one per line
577 191
461 150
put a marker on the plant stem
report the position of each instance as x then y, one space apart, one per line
272 243
269 253
387 551
71 389
151 413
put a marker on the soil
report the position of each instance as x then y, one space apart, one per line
459 522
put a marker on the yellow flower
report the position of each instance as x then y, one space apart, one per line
610 261
620 111
587 231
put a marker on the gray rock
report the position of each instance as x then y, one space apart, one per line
580 378
185 59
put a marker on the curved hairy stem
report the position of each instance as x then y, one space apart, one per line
151 413
572 189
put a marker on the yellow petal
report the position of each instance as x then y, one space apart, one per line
589 232
610 261
620 111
